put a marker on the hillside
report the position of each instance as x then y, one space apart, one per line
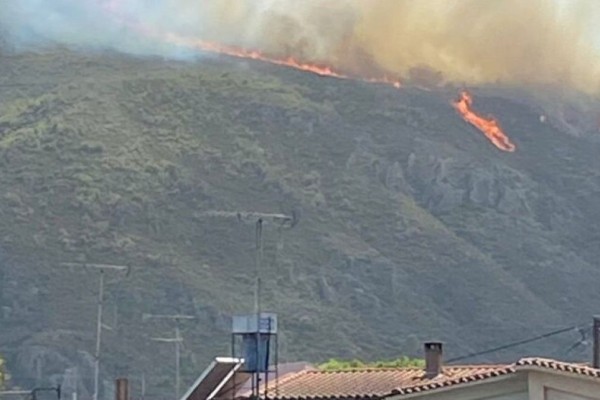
411 225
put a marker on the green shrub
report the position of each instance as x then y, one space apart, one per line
341 365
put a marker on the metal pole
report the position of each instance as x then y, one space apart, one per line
177 360
258 262
259 247
74 394
178 342
233 355
143 385
596 349
257 218
98 336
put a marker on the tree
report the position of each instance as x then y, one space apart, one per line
341 365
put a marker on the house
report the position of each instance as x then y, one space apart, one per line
526 379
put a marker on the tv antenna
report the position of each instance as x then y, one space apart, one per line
178 340
259 219
99 325
257 338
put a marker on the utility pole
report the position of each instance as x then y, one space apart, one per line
101 268
178 340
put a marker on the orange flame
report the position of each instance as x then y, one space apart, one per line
489 126
289 62
112 7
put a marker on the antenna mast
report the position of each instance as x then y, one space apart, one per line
258 219
99 325
257 330
258 267
178 340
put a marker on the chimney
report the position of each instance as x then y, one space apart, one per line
433 359
596 349
122 389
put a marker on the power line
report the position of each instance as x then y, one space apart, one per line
581 342
519 343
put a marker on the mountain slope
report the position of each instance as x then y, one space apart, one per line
411 226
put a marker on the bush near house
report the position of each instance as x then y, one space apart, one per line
340 365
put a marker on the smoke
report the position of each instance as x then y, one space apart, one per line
82 25
515 42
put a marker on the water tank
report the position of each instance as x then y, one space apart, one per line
243 324
255 350
257 333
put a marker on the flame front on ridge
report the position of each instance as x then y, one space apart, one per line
290 62
112 7
489 126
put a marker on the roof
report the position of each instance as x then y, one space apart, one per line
374 383
454 376
378 383
283 370
545 363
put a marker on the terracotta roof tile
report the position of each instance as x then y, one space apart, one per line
373 384
456 375
580 369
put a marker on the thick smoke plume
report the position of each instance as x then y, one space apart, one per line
516 42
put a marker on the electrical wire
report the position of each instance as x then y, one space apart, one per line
583 342
519 343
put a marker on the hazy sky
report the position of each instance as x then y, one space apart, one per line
477 41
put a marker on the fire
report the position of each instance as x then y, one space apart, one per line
112 7
489 126
290 62
234 51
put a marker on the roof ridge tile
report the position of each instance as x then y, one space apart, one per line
548 363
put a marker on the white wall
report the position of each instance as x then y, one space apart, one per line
552 394
511 396
551 386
